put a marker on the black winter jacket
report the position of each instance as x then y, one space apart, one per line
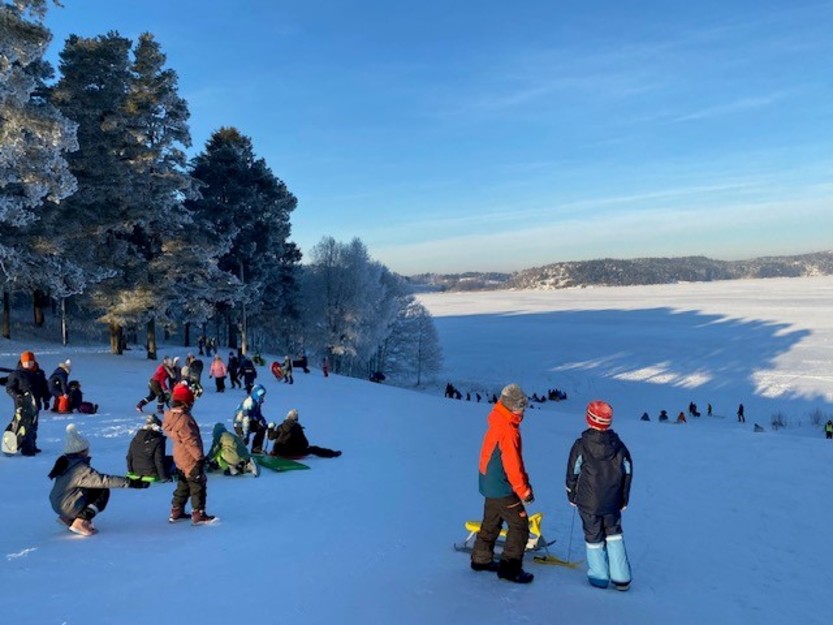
146 456
20 382
599 472
59 382
291 440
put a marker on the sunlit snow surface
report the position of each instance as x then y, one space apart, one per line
724 526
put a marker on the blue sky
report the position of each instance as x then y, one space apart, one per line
457 136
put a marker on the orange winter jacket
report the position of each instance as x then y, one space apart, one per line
501 462
184 432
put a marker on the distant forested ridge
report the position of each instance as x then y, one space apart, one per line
617 272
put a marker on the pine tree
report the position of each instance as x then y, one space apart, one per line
35 137
247 210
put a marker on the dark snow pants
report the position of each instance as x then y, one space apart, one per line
495 512
95 497
597 526
193 486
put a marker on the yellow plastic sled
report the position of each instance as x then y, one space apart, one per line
536 542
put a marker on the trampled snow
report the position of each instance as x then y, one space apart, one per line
725 525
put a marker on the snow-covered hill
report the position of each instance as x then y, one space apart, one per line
724 526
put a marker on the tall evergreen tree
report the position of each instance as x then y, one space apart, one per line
35 137
248 210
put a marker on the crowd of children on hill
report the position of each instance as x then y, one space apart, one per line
553 394
80 492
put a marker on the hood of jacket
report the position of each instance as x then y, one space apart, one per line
602 445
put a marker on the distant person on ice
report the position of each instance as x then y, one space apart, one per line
505 485
80 492
291 442
741 418
599 474
828 429
59 387
179 425
218 371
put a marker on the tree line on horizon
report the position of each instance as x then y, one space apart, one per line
105 218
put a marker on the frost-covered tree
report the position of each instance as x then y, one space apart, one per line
34 137
247 209
350 305
414 346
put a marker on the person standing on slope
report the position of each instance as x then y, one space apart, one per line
599 474
179 425
505 486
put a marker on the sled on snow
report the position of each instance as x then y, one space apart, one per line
535 543
276 463
277 370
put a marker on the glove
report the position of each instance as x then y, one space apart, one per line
530 498
133 482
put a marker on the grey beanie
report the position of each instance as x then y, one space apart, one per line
292 415
76 442
513 397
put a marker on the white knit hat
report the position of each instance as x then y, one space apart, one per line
292 415
76 442
67 364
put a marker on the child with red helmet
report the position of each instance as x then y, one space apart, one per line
179 426
599 474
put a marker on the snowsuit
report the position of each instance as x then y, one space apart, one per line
79 490
828 429
287 371
228 451
291 442
599 474
146 455
184 433
249 419
22 387
505 485
249 373
218 372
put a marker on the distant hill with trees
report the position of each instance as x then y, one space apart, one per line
619 272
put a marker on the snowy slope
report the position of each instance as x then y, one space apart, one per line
725 526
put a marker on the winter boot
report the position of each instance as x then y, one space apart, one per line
141 405
199 517
511 570
597 571
620 568
82 527
251 467
485 566
178 514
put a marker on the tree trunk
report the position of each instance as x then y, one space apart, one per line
7 321
186 330
116 339
64 328
232 333
38 301
151 339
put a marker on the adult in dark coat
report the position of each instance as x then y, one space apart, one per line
291 442
146 455
599 474
24 387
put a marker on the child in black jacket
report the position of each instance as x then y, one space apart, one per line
599 474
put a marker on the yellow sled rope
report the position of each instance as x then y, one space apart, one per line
536 542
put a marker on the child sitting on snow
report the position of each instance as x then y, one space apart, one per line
146 455
229 454
291 442
599 474
80 492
